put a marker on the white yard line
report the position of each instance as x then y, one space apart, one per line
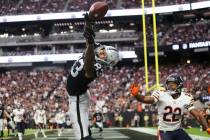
68 134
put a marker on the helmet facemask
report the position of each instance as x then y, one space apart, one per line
106 55
18 105
174 84
172 88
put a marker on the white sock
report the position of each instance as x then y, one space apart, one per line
43 133
59 132
20 136
36 133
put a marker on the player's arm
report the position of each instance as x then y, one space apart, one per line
24 116
134 90
45 118
89 53
7 115
199 117
94 120
35 117
56 117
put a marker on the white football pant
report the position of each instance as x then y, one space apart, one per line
79 113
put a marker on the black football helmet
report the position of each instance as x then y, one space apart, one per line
176 78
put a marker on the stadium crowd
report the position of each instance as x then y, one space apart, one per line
30 88
109 92
179 33
167 34
17 7
186 33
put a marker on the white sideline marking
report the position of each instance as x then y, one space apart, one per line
68 135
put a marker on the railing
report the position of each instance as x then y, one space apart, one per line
68 38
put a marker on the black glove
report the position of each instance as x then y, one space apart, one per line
88 29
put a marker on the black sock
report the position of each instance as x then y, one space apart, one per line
2 134
89 130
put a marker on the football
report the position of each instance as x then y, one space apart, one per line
98 10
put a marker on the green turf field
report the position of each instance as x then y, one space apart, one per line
193 131
28 134
196 131
110 134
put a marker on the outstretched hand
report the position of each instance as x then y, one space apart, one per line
134 89
208 131
88 29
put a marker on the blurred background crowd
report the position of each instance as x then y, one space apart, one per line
18 7
109 92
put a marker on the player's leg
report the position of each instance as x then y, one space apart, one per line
19 130
36 134
89 130
39 128
62 127
11 127
90 126
100 126
164 135
73 116
59 129
42 130
1 129
15 130
79 106
180 134
208 119
8 131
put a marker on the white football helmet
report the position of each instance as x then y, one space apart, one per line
40 107
18 105
112 55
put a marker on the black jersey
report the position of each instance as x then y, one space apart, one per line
1 112
98 116
77 82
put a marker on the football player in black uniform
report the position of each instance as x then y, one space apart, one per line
84 71
3 114
98 120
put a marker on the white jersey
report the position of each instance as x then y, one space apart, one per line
18 114
40 116
170 110
60 118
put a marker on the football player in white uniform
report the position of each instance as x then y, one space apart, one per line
40 121
60 119
171 105
19 117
